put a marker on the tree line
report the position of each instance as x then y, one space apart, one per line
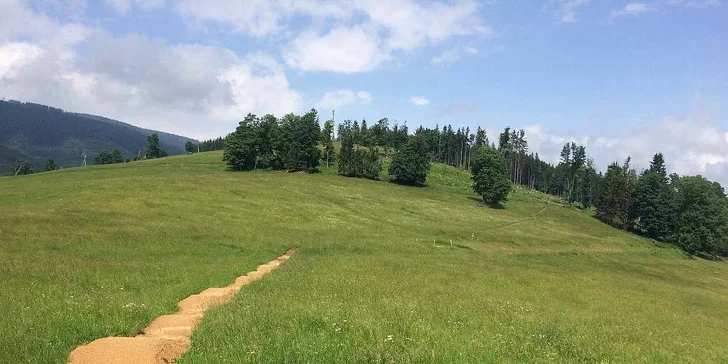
114 156
690 211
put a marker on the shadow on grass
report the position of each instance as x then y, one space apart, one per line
497 206
405 183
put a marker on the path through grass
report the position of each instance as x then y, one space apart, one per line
98 252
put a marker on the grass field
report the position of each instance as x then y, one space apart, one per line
383 273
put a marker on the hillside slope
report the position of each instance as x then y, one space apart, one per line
383 273
38 132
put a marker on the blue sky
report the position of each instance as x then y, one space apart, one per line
622 77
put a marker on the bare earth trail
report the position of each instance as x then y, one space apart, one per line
168 336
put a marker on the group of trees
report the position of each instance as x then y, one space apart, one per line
289 143
690 211
153 150
378 135
454 148
23 166
109 157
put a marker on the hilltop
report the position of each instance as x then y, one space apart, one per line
36 132
383 272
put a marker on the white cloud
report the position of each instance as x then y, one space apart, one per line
694 3
339 98
691 145
452 55
255 17
195 90
633 9
345 50
567 10
15 56
419 100
344 36
123 6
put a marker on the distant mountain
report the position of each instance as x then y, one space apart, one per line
37 132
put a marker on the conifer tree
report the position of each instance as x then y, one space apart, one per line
327 137
653 202
411 164
50 165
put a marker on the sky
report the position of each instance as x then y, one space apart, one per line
622 78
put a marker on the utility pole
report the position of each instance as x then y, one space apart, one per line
333 115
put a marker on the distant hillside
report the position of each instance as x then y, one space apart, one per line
37 132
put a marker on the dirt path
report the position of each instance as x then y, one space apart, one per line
168 336
531 218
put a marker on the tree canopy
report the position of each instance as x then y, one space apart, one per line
490 176
411 164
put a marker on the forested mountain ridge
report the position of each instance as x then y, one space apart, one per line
37 132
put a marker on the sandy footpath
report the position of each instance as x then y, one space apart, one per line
168 336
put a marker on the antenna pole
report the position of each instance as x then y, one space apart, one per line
333 114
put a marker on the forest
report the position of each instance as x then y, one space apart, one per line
33 132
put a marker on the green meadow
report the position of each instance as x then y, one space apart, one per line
383 273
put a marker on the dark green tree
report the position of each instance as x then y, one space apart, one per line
304 133
327 138
347 156
241 146
369 161
613 204
357 162
653 202
269 144
702 216
481 139
411 164
190 147
658 165
50 165
109 157
153 149
22 167
490 176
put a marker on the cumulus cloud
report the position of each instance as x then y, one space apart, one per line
419 100
339 98
200 91
691 145
346 36
344 49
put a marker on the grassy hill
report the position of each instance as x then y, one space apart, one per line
37 132
383 273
